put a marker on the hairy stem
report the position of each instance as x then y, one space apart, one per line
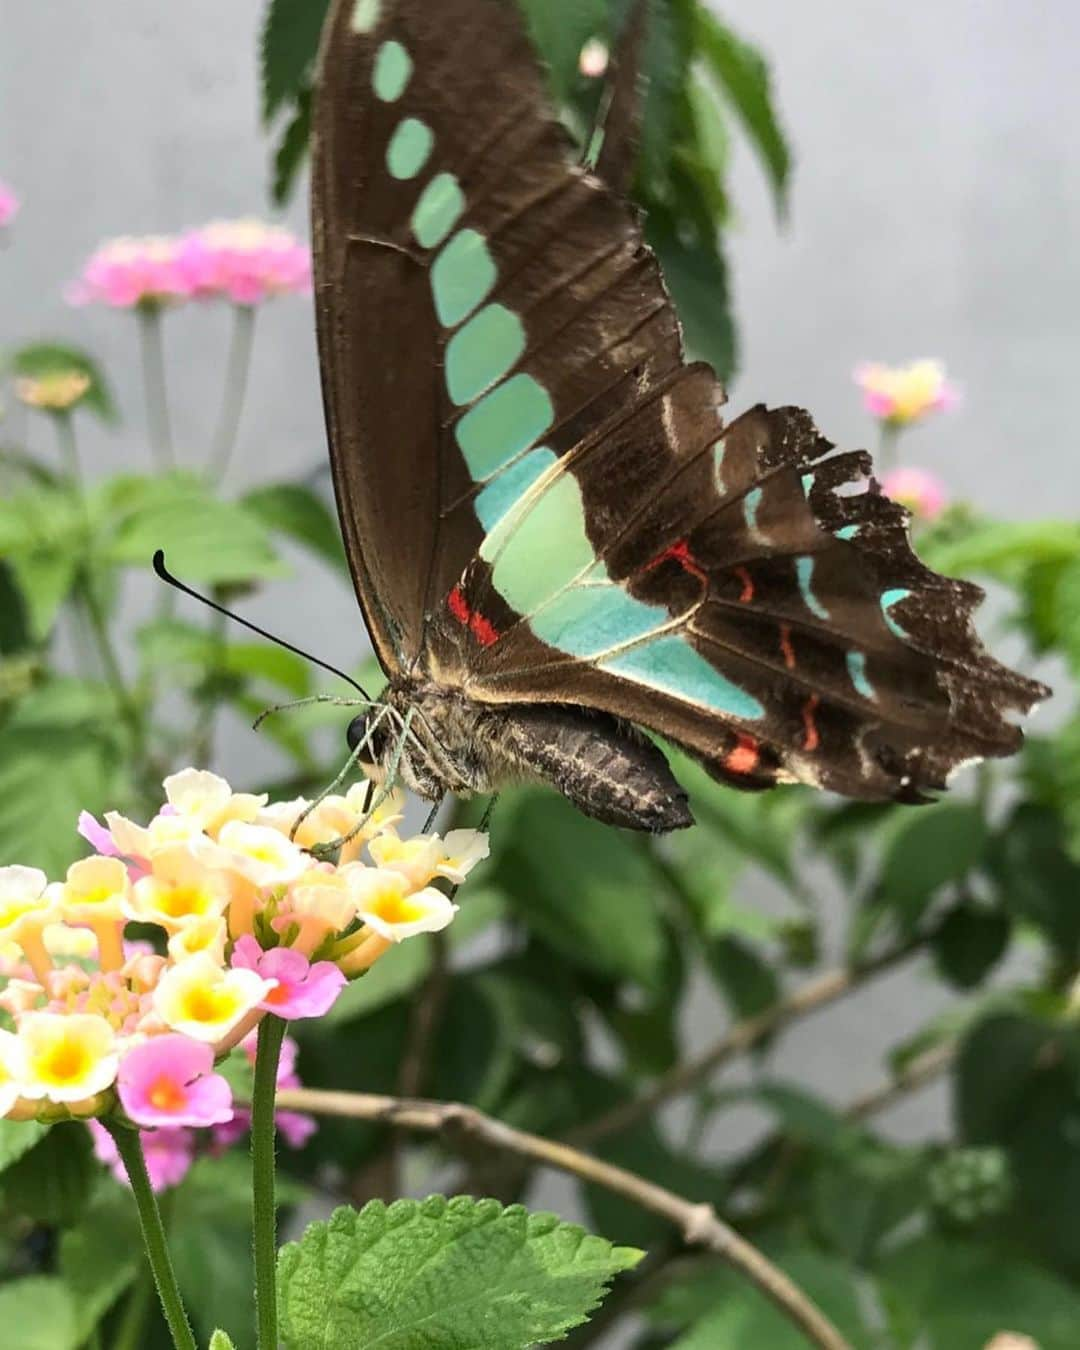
129 1148
699 1225
237 373
264 1203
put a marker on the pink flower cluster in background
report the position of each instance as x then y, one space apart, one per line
922 492
9 205
244 262
902 395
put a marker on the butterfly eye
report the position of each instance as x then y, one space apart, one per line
357 731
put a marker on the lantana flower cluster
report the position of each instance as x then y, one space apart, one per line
903 395
239 914
244 262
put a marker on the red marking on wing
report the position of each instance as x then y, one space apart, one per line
680 552
482 629
786 647
458 605
747 585
813 736
744 758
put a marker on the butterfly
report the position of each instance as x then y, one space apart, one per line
558 542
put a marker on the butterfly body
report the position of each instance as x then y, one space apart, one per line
555 534
604 766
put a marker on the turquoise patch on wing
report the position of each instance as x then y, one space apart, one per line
462 277
672 666
585 621
804 570
510 419
751 503
848 532
409 149
888 599
481 353
441 206
393 71
512 483
856 664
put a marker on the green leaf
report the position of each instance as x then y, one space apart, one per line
290 42
931 848
221 1340
291 151
188 654
970 943
45 579
459 1273
696 273
945 1294
743 75
586 890
1034 875
52 1181
38 1313
15 634
864 1195
559 29
204 538
48 775
18 1137
294 510
749 983
1001 550
43 359
101 1256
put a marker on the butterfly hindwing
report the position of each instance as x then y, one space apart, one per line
542 501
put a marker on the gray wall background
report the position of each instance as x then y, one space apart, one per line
935 211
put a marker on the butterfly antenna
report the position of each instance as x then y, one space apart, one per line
166 576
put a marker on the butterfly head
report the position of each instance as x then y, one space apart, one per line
370 734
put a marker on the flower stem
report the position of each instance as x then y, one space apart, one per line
154 385
888 447
264 1204
236 382
153 1232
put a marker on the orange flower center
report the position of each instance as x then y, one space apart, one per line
167 1095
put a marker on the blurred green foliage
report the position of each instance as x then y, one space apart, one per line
574 981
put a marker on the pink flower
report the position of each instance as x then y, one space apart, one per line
9 205
169 1154
245 261
124 273
901 395
169 1081
302 990
923 493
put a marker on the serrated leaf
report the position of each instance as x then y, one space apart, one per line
743 74
221 1340
302 515
460 1274
291 151
38 1313
696 274
290 43
42 359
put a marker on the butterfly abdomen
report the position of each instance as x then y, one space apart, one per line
605 767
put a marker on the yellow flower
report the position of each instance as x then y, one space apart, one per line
416 859
58 391
331 819
388 904
12 1071
201 1000
180 890
68 1056
143 841
208 799
901 395
462 850
207 935
27 904
257 854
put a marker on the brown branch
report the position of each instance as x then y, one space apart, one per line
699 1225
817 993
922 1070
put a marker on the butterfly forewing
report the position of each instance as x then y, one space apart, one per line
542 501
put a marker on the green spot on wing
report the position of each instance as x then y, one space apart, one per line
510 419
804 570
510 484
586 621
541 547
462 277
365 15
393 71
410 148
481 353
439 209
672 666
856 664
888 599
